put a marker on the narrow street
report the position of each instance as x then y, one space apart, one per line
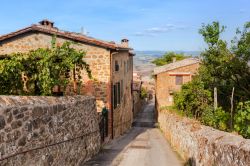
143 145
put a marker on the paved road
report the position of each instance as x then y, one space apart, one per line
143 145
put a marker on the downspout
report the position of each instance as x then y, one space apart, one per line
111 89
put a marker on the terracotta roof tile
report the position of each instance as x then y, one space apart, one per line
174 65
69 35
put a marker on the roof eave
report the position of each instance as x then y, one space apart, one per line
167 70
56 32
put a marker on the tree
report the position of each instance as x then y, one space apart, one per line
240 64
225 67
168 58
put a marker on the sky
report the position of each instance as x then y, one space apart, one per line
166 25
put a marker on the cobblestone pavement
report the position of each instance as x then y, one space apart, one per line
143 145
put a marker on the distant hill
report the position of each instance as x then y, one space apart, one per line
160 53
143 59
148 56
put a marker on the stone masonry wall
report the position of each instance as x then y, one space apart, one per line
165 82
138 103
123 115
48 130
98 58
203 145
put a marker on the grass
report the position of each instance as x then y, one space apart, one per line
172 109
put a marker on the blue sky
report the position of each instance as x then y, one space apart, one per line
149 24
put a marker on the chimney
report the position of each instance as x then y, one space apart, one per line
174 59
47 23
124 42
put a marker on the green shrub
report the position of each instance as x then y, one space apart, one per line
242 119
144 93
11 75
192 99
215 118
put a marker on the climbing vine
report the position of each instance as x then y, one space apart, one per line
38 72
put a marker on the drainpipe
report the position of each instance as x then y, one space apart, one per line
111 88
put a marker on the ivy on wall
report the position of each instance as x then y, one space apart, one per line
38 72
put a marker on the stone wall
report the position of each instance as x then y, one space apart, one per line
48 130
97 57
123 115
99 60
166 83
203 145
138 103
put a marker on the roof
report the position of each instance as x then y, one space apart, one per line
69 35
175 65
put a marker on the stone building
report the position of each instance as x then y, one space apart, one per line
169 79
111 65
137 99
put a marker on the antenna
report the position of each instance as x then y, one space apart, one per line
84 31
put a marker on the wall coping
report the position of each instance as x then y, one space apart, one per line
10 101
204 143
199 128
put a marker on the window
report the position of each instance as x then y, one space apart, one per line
130 64
178 80
114 97
117 90
125 66
116 66
118 93
121 88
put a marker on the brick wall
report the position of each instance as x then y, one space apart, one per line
48 130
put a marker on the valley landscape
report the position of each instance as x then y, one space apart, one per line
143 62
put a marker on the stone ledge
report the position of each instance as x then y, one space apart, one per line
9 101
203 145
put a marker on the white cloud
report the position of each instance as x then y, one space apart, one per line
242 11
154 31
140 34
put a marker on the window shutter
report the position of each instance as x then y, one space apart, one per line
118 93
114 97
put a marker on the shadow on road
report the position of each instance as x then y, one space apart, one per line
109 154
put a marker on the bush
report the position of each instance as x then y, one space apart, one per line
215 118
11 75
144 93
193 98
242 119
